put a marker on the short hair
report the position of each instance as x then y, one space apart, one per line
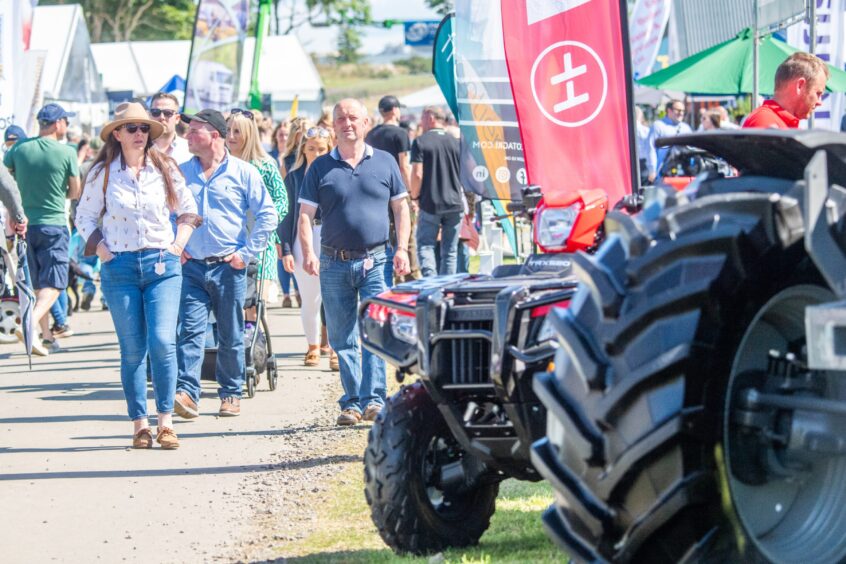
164 96
800 65
669 104
354 101
437 112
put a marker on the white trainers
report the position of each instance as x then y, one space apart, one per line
39 349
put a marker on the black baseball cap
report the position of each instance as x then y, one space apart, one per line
212 117
388 103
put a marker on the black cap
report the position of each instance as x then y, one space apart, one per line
212 117
388 103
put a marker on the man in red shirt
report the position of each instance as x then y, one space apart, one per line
799 87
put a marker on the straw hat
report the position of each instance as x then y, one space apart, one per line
131 112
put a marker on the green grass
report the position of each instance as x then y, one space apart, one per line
346 533
364 85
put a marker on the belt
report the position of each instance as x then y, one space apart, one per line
209 260
344 254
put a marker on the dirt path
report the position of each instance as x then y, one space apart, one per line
237 490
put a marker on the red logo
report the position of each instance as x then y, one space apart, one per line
569 83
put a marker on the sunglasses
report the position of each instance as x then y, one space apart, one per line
246 113
313 132
155 112
132 128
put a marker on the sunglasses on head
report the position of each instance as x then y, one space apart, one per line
155 112
246 113
132 128
313 132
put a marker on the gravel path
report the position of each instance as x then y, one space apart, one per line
238 489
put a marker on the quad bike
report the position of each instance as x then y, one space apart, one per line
440 447
697 402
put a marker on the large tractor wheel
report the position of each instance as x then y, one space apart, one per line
425 493
683 423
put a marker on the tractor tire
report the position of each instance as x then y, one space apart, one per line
401 464
640 395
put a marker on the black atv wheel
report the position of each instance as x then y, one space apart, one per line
425 493
645 448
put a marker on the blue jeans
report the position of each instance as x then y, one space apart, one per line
342 285
218 288
389 265
59 309
285 279
144 307
428 226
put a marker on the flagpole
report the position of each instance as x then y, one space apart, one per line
813 31
755 60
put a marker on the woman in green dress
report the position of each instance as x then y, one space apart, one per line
243 142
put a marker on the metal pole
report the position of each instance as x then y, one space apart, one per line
755 59
813 31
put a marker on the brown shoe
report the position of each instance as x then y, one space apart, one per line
372 412
286 302
184 406
143 438
333 361
348 417
230 406
312 358
167 438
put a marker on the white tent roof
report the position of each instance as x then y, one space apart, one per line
144 66
431 96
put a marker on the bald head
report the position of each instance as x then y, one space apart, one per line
349 119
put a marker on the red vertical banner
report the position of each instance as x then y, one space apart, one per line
570 72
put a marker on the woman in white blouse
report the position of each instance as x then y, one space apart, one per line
134 189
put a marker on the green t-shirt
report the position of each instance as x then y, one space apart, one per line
42 167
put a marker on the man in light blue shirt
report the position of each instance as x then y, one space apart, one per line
670 125
215 260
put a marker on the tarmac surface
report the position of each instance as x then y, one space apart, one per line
73 490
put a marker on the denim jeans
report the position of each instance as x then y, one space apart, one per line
342 285
389 265
218 288
59 309
285 279
428 226
144 307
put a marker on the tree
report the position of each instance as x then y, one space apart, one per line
349 42
124 20
443 7
291 14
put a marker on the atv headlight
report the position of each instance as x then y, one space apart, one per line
404 328
555 225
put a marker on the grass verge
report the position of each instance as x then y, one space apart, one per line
346 533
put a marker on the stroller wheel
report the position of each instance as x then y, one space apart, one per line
271 376
251 385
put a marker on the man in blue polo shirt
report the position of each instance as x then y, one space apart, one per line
353 186
216 257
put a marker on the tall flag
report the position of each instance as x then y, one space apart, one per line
214 68
646 29
262 26
570 72
443 62
492 155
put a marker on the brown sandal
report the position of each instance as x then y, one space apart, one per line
312 358
143 438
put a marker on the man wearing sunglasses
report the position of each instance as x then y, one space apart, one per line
670 125
164 108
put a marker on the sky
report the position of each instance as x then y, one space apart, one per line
374 40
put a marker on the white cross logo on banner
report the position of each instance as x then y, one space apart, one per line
567 77
572 96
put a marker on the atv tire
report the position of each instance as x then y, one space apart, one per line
639 394
409 511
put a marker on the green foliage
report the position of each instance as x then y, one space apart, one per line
349 42
443 7
124 20
416 65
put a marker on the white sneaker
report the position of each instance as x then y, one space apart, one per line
39 349
52 346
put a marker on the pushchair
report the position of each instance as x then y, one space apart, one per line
258 349
10 311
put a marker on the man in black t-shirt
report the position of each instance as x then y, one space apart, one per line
435 183
390 137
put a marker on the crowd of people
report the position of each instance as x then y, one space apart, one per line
178 215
